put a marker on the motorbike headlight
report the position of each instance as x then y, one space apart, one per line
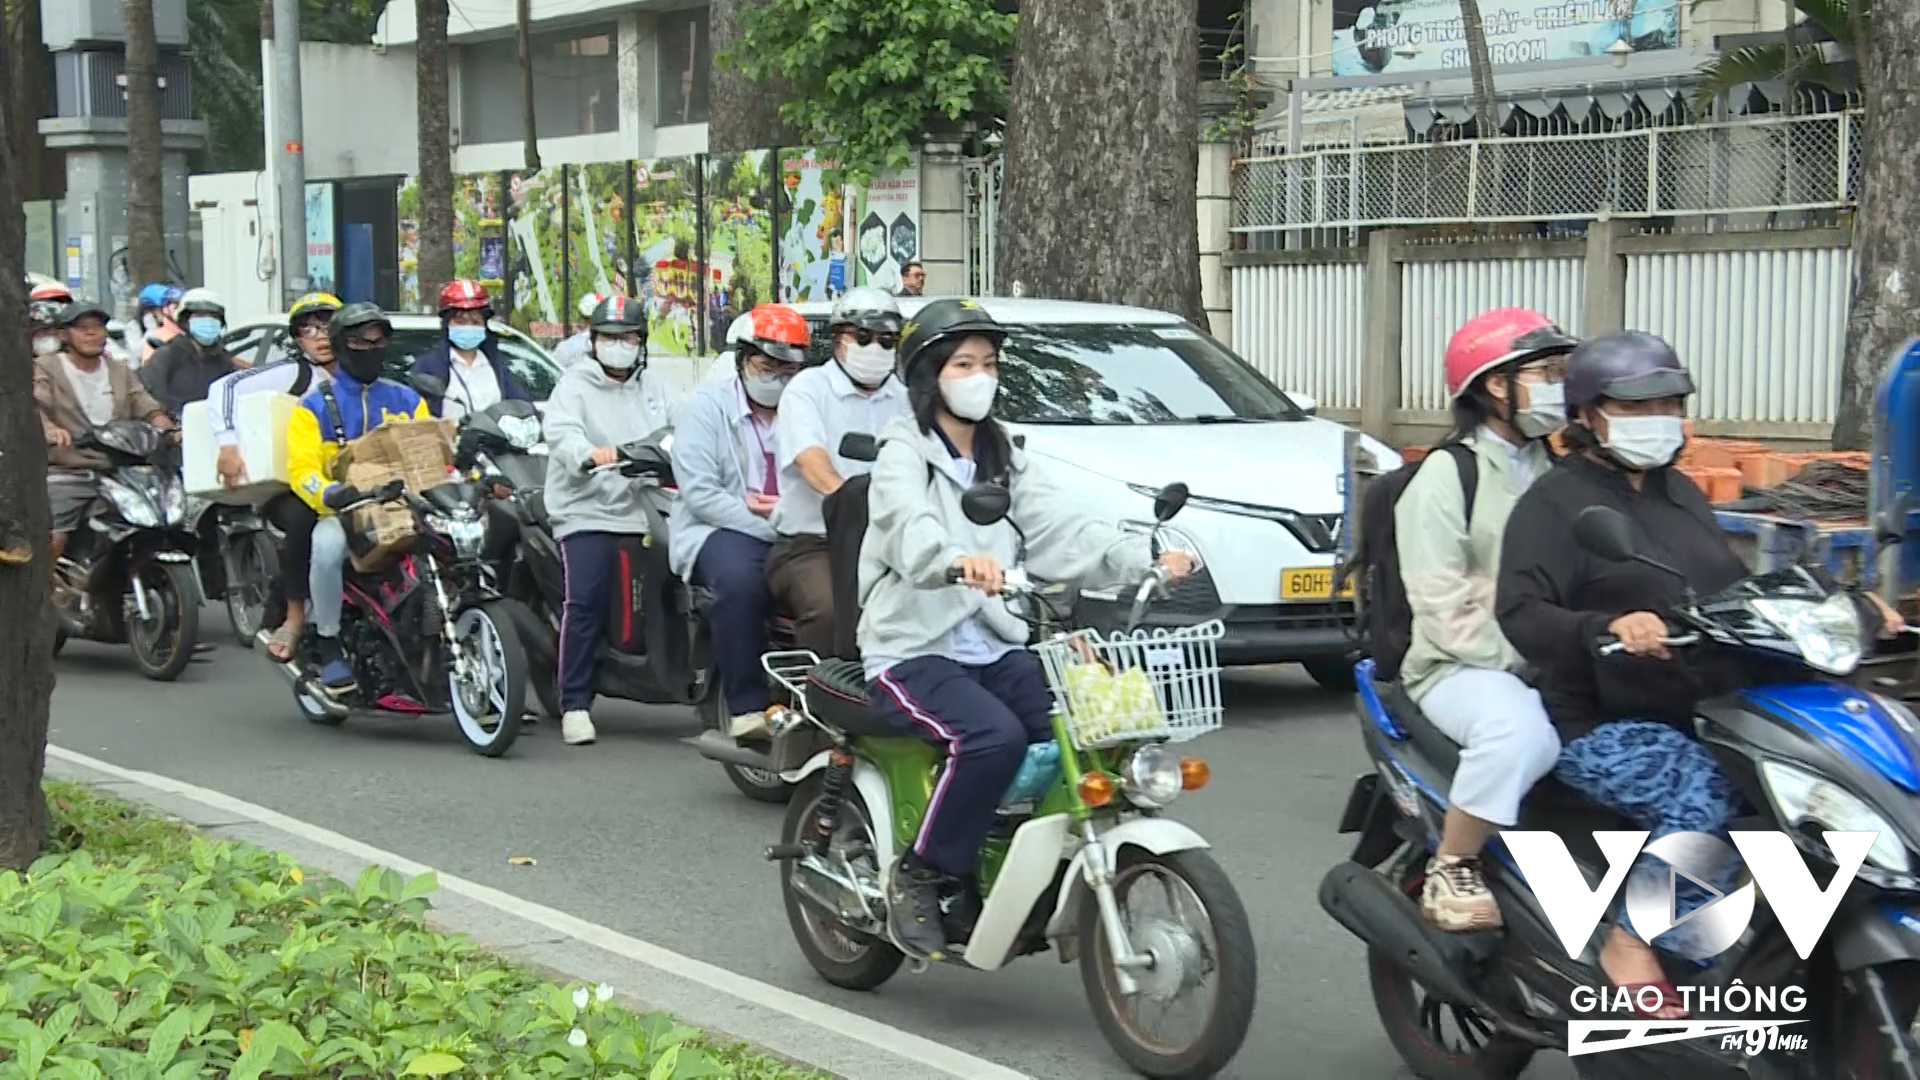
138 510
173 503
1827 632
467 534
1151 777
1803 798
522 431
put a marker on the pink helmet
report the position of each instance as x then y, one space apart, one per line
1498 337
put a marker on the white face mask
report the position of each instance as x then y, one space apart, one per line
868 365
1546 410
765 390
1644 442
617 355
46 345
970 397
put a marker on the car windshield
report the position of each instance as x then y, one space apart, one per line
1115 373
531 367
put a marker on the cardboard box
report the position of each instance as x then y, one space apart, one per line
260 421
419 452
376 534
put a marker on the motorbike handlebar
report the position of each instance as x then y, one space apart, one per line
1610 645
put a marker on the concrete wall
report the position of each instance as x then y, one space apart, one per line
236 241
357 107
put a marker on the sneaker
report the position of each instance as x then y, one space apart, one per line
915 921
335 672
960 906
1456 897
748 725
576 727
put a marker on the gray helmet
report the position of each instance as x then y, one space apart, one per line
1630 365
81 309
617 315
867 308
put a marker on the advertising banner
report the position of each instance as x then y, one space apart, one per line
813 249
887 227
1374 38
666 230
320 262
537 227
739 229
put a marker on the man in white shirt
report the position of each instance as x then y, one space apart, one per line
859 392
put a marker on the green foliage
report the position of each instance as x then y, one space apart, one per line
138 950
1775 62
1236 126
871 76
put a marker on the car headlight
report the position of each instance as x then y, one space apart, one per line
1801 798
1151 777
522 431
1827 632
138 510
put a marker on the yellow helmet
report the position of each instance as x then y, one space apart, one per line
308 305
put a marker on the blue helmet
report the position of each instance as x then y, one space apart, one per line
154 295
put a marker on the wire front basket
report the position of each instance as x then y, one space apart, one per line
1163 684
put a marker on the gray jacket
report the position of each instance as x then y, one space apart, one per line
916 530
711 441
588 411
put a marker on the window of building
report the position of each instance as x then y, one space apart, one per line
576 85
683 65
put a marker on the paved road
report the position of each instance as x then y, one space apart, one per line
639 834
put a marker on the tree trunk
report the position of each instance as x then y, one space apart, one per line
436 151
1886 231
1102 155
741 114
1479 69
146 241
26 650
523 35
30 80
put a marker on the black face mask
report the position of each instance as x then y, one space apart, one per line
365 365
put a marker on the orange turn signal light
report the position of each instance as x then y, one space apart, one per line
1194 774
1096 789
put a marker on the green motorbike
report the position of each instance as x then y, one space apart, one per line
1080 851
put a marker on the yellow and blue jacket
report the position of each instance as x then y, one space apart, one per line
314 439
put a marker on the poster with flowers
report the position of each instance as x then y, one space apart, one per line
597 225
887 227
739 228
666 228
813 250
480 234
409 224
536 227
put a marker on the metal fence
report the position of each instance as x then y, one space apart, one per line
1770 164
981 210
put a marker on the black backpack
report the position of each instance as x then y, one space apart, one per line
1375 564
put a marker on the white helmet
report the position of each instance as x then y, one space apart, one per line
202 301
589 303
867 308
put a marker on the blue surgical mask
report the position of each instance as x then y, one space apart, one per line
467 338
204 328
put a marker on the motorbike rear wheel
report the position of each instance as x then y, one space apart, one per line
852 962
163 645
489 713
760 785
1182 958
252 566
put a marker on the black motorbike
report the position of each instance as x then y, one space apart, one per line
127 574
238 559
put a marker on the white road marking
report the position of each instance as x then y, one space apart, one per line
818 1014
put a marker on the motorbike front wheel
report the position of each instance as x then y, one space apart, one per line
1204 937
760 785
490 706
848 960
163 644
252 566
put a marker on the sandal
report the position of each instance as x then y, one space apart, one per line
1668 996
281 644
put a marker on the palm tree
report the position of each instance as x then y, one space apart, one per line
1792 61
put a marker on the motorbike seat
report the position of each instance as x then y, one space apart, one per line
837 694
1550 805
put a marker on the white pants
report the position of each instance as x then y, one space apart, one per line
1507 743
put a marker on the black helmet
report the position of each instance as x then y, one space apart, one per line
81 309
619 315
867 308
943 320
354 317
1629 365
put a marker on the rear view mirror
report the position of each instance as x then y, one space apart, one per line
986 504
1604 533
1169 502
1890 524
860 447
428 385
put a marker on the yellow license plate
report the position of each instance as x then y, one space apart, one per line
1310 583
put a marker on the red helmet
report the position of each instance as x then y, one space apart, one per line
775 329
1499 337
462 294
52 291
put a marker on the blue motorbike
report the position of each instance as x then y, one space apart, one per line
1810 753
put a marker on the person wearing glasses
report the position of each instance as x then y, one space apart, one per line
858 392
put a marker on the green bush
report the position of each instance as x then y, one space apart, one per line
138 949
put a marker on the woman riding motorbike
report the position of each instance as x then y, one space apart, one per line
945 662
1503 372
1626 721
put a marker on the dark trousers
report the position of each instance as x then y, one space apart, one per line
985 717
734 566
295 520
801 577
587 563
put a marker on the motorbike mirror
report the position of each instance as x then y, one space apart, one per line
1890 524
428 386
1604 533
986 504
1169 502
857 446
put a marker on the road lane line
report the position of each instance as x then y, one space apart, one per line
873 1033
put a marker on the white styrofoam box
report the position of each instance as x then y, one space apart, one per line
260 421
